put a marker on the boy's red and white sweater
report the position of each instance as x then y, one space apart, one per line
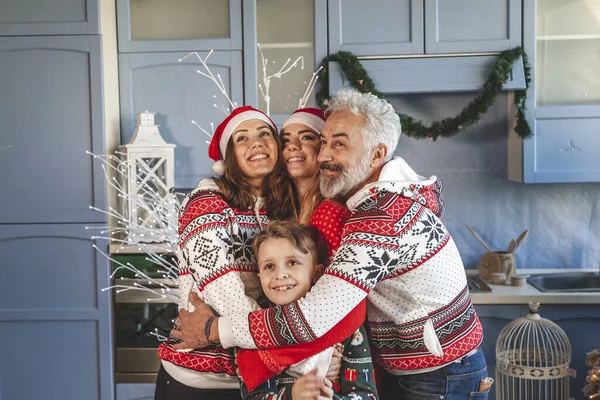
216 261
396 251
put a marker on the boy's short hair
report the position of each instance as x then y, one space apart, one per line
302 237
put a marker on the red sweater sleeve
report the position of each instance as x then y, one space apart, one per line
257 366
329 219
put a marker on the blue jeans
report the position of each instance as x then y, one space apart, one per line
459 380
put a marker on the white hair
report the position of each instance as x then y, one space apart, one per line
383 124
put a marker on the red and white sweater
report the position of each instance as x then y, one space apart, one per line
396 251
216 261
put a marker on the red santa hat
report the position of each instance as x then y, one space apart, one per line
311 117
218 144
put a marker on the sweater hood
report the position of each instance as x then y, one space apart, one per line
398 177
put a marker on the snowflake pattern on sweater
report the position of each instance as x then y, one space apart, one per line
217 262
396 251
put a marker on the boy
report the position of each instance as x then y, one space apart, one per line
288 265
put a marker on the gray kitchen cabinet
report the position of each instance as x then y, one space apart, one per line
158 82
55 321
266 22
493 319
412 27
179 25
563 100
52 113
467 26
580 322
376 27
429 74
43 17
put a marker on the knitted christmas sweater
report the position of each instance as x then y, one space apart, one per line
396 251
217 262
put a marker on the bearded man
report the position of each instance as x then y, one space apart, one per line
395 251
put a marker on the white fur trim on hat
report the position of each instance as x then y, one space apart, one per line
236 121
219 167
312 121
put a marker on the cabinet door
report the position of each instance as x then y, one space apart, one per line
581 324
43 17
179 95
55 322
563 102
268 23
135 391
51 113
493 319
376 27
466 26
173 25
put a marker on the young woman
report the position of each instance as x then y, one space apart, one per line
217 222
301 138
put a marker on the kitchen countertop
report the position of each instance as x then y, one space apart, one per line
506 294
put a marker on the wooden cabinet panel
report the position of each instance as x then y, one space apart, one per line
563 107
42 17
265 23
566 150
55 322
581 323
377 27
135 391
493 319
51 114
179 25
178 94
466 26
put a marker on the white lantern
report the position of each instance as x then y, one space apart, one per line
147 174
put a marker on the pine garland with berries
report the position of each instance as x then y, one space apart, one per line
469 116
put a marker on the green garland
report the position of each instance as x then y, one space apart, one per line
469 116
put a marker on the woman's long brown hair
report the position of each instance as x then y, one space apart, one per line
310 200
281 200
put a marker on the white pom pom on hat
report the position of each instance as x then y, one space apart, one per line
218 145
218 167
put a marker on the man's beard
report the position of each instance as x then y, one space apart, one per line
348 180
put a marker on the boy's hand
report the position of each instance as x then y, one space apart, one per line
309 387
335 365
327 392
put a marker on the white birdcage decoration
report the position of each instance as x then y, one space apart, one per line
532 359
148 177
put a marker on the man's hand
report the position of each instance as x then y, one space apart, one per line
310 387
191 325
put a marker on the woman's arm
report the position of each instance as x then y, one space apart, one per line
214 254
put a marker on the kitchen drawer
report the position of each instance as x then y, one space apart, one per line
135 391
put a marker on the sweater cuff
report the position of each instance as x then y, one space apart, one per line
225 334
